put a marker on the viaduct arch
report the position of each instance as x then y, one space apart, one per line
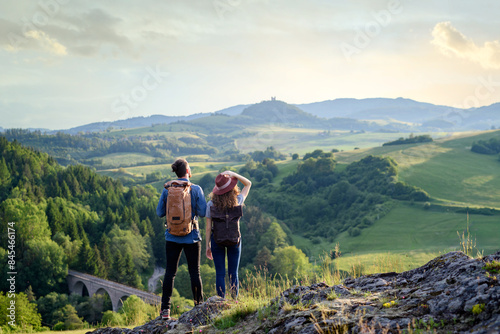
116 291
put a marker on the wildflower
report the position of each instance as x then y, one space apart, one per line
393 302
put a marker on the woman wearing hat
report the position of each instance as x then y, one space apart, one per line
225 197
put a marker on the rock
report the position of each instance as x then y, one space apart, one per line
437 297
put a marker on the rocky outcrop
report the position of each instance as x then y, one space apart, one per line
451 294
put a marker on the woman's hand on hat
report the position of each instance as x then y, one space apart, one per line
229 173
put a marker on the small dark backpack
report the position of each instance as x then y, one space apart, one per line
226 225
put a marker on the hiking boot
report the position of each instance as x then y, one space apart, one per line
165 314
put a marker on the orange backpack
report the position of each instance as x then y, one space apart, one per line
179 219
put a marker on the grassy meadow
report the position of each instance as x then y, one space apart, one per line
445 168
76 331
301 141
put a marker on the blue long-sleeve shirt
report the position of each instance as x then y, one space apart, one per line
198 208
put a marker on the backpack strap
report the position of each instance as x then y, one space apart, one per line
177 183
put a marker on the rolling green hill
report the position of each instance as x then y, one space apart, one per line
454 177
445 168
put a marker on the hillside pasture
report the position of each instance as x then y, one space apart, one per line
411 236
445 168
302 140
123 159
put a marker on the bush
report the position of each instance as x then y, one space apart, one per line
59 326
478 309
354 231
136 311
111 319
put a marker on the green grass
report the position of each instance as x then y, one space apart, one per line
458 175
411 228
76 331
411 234
119 159
446 168
301 140
286 167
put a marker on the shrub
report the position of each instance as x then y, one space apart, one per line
110 319
493 267
477 309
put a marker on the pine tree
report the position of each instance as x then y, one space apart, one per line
106 255
29 293
100 267
118 272
5 177
131 278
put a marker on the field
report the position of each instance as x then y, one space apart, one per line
119 159
446 169
409 236
301 141
76 331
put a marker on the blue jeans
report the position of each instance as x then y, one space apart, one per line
233 262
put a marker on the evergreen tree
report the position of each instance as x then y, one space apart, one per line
99 266
5 179
106 256
131 277
118 272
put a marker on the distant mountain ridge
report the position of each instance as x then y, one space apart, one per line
134 122
371 114
400 109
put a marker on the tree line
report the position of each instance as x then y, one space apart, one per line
491 146
410 140
89 148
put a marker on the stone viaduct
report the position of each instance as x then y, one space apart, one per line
116 291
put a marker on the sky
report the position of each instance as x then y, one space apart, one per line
65 63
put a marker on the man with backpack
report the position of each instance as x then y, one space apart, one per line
182 203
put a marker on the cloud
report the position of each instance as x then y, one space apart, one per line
92 32
15 39
86 33
452 42
47 43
